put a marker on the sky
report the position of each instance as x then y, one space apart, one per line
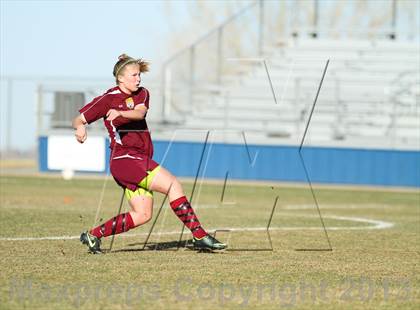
75 39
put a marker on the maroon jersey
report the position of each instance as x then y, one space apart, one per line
128 137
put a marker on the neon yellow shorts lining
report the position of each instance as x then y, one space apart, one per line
144 184
147 181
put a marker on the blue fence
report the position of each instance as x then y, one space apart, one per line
282 163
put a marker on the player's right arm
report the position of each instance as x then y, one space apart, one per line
79 126
89 113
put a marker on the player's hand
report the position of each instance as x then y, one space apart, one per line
112 114
81 134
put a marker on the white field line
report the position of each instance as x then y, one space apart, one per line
375 224
302 206
335 206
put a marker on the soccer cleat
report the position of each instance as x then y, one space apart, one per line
208 243
93 243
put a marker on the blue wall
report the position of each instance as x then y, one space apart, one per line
282 163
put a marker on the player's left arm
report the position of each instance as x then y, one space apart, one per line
138 113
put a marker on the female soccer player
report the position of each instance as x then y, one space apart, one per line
124 109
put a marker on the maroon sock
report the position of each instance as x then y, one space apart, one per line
186 214
116 225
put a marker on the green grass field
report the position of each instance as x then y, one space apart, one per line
374 262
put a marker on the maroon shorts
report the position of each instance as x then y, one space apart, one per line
128 172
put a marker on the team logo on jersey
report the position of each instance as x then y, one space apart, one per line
130 103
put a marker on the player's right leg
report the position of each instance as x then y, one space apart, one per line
141 203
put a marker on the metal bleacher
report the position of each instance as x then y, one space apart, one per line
370 96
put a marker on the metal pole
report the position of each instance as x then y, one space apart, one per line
168 93
219 55
392 35
39 124
297 106
9 116
315 25
164 91
296 9
39 110
261 28
192 73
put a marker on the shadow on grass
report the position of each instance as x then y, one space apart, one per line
162 246
180 245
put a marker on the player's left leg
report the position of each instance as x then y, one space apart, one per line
161 180
141 202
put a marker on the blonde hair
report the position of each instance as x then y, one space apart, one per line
124 60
